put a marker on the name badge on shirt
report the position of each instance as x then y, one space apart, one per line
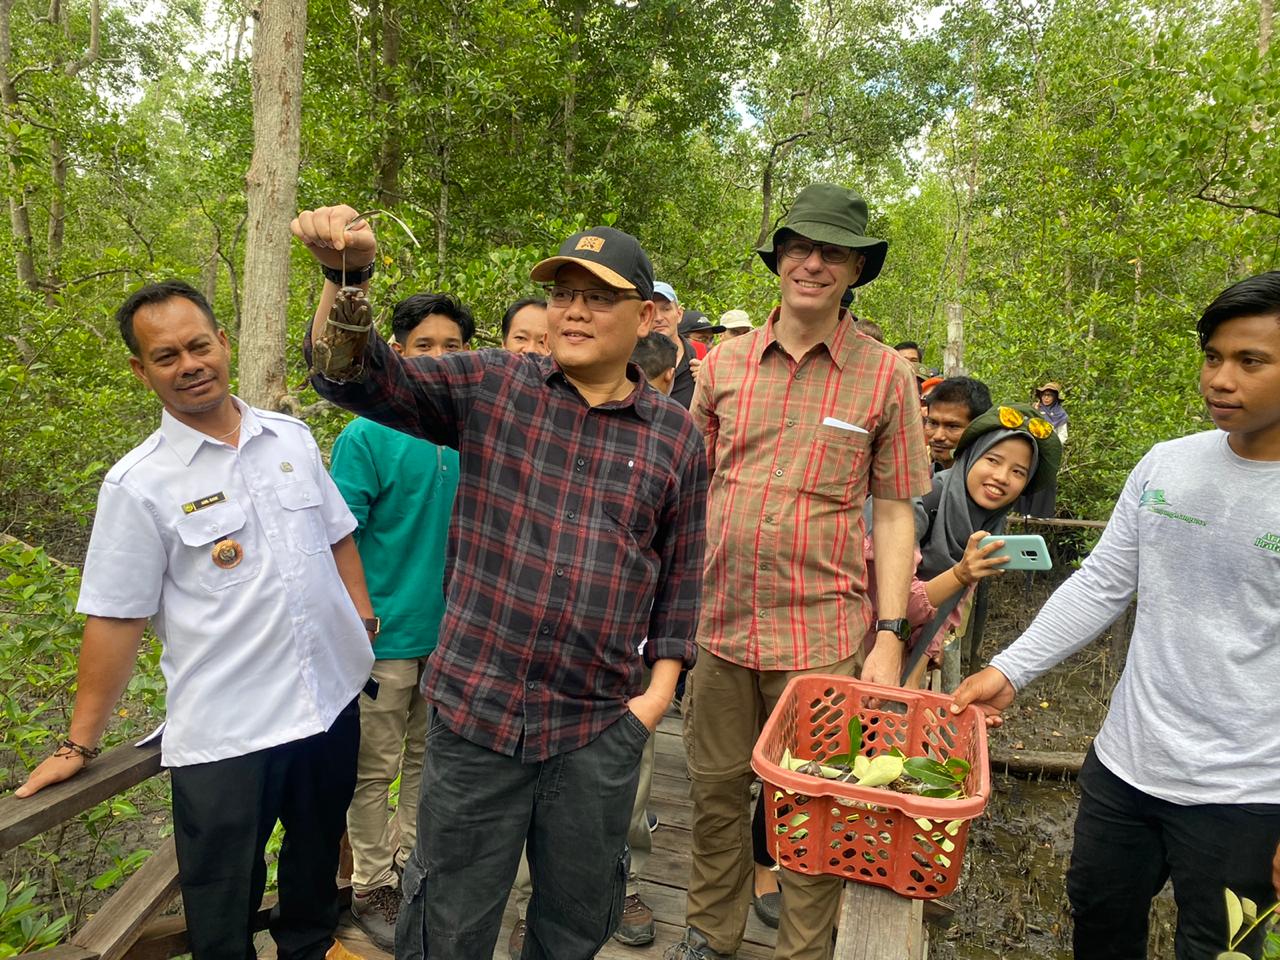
203 502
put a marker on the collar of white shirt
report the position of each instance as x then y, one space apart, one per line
186 440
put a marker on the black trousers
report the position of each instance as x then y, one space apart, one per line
480 807
1128 843
223 815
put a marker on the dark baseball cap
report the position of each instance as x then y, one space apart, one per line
695 321
614 257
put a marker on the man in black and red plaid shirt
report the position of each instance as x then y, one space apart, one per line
577 533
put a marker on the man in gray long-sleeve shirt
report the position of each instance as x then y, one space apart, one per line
1183 780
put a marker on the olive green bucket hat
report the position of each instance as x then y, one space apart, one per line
830 213
1013 419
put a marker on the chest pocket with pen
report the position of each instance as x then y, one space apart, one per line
836 461
303 517
201 531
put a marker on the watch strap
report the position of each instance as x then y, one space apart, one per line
354 276
900 627
373 625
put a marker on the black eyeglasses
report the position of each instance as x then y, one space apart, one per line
596 298
798 248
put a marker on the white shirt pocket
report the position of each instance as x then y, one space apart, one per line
303 517
201 531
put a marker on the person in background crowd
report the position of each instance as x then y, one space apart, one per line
224 530
910 351
655 355
524 326
578 533
1048 403
1049 406
736 323
1181 783
950 407
400 490
666 320
802 420
700 330
870 328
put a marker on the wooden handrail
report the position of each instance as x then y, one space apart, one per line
113 772
1056 522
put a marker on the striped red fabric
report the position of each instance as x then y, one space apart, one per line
785 585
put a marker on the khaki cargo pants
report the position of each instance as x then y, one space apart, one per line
725 709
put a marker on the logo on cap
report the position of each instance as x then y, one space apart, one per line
590 243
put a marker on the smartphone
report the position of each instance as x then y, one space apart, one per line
1025 551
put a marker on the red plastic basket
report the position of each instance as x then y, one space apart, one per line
912 844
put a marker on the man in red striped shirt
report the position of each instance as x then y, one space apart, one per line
803 419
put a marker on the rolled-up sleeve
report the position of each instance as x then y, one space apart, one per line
673 622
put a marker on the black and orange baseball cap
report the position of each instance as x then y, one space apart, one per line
614 257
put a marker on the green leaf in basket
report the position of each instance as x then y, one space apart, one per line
941 793
958 766
860 766
929 772
855 736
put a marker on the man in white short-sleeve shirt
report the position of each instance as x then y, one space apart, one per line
224 530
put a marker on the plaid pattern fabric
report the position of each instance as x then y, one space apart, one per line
785 585
577 532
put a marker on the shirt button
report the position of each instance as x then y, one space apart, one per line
777 473
762 614
532 685
790 422
799 376
559 571
581 462
768 518
545 629
570 515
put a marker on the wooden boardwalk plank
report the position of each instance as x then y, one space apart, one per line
116 926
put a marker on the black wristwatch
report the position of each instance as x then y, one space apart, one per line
373 625
900 628
352 278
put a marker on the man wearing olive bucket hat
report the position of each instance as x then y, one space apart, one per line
803 419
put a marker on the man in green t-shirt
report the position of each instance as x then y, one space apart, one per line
400 489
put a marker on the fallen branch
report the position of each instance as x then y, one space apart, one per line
1036 763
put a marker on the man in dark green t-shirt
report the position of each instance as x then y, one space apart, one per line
400 489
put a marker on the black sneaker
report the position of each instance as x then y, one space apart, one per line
375 913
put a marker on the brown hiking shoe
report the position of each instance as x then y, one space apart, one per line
637 927
375 913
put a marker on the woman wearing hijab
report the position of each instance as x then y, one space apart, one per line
1004 453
